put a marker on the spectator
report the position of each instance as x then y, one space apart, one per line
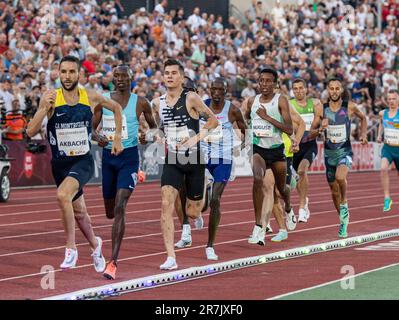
249 91
6 94
15 123
161 7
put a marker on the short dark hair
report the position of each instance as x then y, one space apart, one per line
270 70
220 80
390 91
70 58
299 80
173 62
335 78
125 67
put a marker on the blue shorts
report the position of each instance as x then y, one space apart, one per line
334 159
119 172
220 169
391 154
81 168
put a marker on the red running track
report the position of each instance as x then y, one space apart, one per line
31 237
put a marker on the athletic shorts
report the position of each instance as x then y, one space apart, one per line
81 168
220 169
270 155
192 176
308 151
119 172
335 158
391 154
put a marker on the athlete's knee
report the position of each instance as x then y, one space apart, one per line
340 179
384 169
302 172
63 198
194 209
119 209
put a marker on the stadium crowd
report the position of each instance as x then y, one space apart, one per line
311 39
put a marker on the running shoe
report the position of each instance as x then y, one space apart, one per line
110 270
257 236
98 258
210 253
290 220
387 204
71 257
344 220
170 264
307 208
269 229
186 239
280 236
199 222
302 214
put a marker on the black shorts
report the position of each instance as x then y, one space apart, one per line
81 168
270 155
191 175
308 151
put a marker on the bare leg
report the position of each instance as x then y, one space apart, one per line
303 183
280 171
340 177
214 217
83 221
336 194
259 171
385 177
268 190
169 195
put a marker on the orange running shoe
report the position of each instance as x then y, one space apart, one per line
110 270
141 176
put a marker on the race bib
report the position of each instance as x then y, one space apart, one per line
73 142
214 135
109 128
391 136
176 135
308 118
262 128
336 133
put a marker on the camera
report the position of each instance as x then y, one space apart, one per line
34 147
3 151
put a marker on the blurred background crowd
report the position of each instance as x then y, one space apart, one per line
310 39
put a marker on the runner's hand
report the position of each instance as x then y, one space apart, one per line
188 143
48 99
324 125
116 146
262 113
379 139
363 140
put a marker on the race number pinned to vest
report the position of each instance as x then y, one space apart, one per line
176 136
214 135
308 119
391 136
262 128
73 142
109 127
336 133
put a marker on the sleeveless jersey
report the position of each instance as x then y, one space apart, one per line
130 123
287 145
69 129
307 115
391 128
264 134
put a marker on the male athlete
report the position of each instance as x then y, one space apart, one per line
335 122
119 173
69 110
389 126
179 111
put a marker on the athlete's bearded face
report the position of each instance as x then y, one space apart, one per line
335 90
173 77
218 91
393 100
69 75
267 84
299 91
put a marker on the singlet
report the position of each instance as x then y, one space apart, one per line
391 128
130 123
339 127
219 142
287 145
307 115
177 124
69 129
264 134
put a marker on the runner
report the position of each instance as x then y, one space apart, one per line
70 110
269 116
335 121
120 173
178 111
389 126
308 147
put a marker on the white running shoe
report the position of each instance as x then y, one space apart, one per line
269 229
302 215
257 236
98 258
199 222
186 239
170 264
210 253
71 257
307 208
290 220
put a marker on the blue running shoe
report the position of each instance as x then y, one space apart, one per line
387 204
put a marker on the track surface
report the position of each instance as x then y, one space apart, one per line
31 237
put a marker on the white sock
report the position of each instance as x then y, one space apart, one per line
186 231
283 230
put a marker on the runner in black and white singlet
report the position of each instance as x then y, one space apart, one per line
269 116
178 112
70 110
335 121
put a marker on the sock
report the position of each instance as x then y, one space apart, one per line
186 230
259 225
283 230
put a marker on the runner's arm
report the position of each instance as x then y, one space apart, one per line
315 128
46 105
299 126
353 109
284 108
380 126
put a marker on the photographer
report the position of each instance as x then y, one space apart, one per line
15 123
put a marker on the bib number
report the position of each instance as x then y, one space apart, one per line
109 127
176 135
73 142
262 129
214 135
308 119
391 136
336 133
